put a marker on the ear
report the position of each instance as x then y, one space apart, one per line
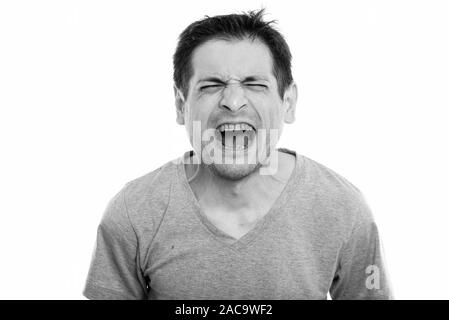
180 106
290 99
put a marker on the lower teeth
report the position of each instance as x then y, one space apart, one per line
230 142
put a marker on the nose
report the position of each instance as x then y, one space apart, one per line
233 97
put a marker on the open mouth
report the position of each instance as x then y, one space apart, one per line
236 136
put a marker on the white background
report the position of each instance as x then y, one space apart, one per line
87 105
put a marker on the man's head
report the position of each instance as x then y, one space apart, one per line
232 75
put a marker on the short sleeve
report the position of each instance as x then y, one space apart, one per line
361 273
115 272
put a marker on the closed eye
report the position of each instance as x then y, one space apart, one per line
210 87
214 87
257 86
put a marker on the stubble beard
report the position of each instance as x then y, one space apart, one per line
235 171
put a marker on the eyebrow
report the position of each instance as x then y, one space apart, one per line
220 81
212 79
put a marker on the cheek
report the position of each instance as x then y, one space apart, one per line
270 110
191 114
196 118
276 122
201 108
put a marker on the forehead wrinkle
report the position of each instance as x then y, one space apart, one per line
202 70
230 78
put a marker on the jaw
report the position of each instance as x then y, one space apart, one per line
233 172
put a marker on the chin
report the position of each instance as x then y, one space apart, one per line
233 172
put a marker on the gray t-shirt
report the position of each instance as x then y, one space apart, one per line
155 242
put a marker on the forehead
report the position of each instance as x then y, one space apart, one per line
233 58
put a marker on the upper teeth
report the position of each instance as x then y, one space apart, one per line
234 126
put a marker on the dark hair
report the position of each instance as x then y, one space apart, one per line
227 27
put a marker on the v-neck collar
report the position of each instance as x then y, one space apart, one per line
247 238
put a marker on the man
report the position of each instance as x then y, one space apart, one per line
237 218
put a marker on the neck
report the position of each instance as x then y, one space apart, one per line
245 193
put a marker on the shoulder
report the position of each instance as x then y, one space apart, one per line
337 197
140 203
328 179
147 197
153 185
